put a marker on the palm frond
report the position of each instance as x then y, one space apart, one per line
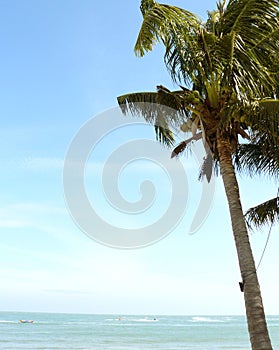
265 213
156 107
164 109
164 135
180 148
256 27
206 168
160 22
135 103
262 116
252 19
176 28
146 5
175 100
260 156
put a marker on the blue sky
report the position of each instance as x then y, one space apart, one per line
62 63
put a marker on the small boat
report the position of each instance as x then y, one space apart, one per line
26 321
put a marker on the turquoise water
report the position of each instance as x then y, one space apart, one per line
107 332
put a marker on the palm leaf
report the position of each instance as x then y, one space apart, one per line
176 29
206 168
164 109
268 115
156 106
160 23
260 156
135 103
265 213
256 27
254 20
184 144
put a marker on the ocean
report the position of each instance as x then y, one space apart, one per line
120 332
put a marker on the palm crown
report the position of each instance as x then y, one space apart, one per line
227 66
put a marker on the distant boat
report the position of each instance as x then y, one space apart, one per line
120 318
26 321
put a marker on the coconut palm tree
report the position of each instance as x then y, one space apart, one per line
226 69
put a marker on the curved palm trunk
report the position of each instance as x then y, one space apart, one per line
257 326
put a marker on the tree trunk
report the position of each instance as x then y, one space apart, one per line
257 326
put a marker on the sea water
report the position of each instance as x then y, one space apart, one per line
119 332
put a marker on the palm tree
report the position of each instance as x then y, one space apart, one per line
227 70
